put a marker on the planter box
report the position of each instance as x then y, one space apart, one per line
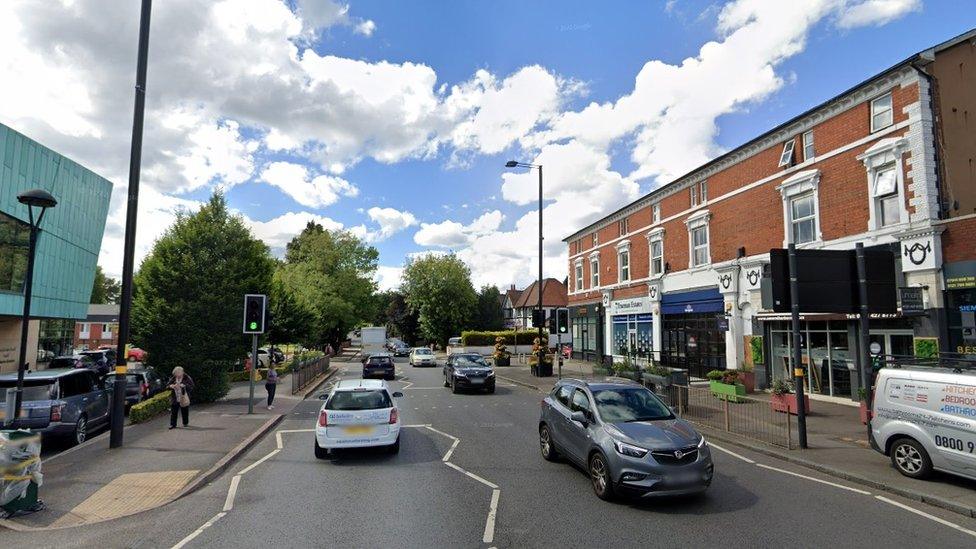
674 377
865 413
724 391
506 361
787 403
544 371
749 380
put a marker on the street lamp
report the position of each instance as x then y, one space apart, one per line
542 350
34 198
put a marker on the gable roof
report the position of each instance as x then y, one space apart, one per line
512 296
553 295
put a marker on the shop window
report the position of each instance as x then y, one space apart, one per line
786 157
801 208
882 114
595 270
14 245
808 151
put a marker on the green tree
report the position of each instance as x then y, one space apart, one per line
331 274
439 290
189 291
489 314
402 321
105 289
291 319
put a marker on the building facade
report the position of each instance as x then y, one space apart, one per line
678 273
100 327
553 297
67 247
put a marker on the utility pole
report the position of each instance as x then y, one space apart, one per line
542 349
132 210
801 412
864 328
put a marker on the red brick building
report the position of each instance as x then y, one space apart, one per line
100 327
676 275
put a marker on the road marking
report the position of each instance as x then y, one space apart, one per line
259 462
928 516
731 453
442 433
450 452
827 482
490 523
232 493
280 431
422 388
199 530
472 475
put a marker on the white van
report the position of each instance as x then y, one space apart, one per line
924 418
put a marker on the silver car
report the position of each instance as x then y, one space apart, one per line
625 437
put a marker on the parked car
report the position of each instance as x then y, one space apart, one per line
358 414
626 439
73 361
422 356
69 403
400 349
379 364
274 354
264 359
140 384
468 371
104 359
923 420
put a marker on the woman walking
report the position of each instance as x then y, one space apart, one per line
270 385
179 400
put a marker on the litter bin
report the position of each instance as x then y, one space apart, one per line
20 465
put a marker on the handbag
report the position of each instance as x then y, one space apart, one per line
184 398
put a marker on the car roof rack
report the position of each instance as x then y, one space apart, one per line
956 362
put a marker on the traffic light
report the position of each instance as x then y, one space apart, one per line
254 313
538 318
562 321
552 324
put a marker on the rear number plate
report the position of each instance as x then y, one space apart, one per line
358 429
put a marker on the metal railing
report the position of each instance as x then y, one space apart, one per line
304 373
751 418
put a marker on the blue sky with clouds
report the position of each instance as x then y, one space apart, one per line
394 119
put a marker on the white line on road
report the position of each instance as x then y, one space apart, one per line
827 482
472 475
928 516
442 433
731 453
232 493
199 530
259 462
450 452
490 523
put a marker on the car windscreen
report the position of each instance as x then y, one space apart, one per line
33 389
359 400
465 361
62 363
380 361
130 379
423 351
629 404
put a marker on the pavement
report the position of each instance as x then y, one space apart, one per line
838 446
91 483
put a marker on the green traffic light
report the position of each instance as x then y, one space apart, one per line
253 326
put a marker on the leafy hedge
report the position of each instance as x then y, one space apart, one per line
150 408
926 347
487 339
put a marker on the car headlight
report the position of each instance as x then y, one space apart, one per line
490 374
701 442
629 449
460 374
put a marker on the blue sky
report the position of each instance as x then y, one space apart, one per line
316 109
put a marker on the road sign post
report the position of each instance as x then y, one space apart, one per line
801 411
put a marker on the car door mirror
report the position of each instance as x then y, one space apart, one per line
397 394
580 417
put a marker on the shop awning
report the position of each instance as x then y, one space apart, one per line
696 301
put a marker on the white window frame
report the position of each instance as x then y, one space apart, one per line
699 221
656 212
703 192
786 157
595 270
85 332
694 195
809 145
801 183
655 237
578 272
596 238
884 154
813 215
890 110
623 249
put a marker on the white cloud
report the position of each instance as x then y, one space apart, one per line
451 234
278 232
314 192
387 278
875 12
391 221
365 28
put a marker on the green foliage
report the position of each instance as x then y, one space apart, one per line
188 295
626 365
330 273
756 346
151 407
105 289
782 387
657 370
262 373
290 317
480 339
399 320
439 290
927 347
489 314
862 394
729 377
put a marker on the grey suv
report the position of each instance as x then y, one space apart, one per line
62 403
628 441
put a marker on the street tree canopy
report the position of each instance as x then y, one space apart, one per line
105 289
439 290
187 303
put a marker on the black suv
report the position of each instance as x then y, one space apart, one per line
468 371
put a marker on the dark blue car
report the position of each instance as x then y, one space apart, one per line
67 403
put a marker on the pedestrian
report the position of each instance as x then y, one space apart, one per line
328 349
270 385
179 400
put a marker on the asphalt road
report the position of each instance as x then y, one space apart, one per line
432 496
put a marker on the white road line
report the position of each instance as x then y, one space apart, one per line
259 462
420 426
450 452
232 493
422 388
472 475
731 453
928 516
834 484
490 522
199 530
442 433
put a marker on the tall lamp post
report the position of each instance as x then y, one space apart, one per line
542 350
34 198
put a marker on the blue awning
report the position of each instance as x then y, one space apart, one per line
696 301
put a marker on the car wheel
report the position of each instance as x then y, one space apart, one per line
454 388
320 452
600 477
446 383
81 430
545 444
395 447
391 377
910 458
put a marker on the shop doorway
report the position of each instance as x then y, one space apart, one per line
894 343
693 342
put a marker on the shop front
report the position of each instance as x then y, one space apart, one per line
693 331
587 328
631 328
960 281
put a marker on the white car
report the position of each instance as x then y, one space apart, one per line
358 413
422 356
